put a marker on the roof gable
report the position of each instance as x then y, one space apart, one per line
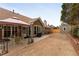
38 20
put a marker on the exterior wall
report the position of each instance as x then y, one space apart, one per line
47 30
39 25
65 28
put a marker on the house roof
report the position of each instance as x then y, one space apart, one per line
64 24
13 20
38 19
4 14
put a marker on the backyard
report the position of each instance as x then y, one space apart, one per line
55 44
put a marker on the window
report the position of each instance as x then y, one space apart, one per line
29 31
0 27
64 29
0 32
13 31
35 30
7 31
39 30
24 30
20 31
16 31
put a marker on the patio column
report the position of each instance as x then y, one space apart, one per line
11 31
31 31
3 43
30 40
17 31
31 28
2 32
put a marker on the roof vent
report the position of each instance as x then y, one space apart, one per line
15 18
13 10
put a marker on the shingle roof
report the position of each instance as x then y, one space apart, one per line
4 14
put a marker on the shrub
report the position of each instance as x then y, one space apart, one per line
17 40
76 32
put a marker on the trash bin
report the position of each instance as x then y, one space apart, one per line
30 40
39 34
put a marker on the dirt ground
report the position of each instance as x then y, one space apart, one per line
56 44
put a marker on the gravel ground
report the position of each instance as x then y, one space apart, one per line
56 44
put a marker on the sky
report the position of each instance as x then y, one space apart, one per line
51 12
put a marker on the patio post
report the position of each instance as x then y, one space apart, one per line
31 34
30 40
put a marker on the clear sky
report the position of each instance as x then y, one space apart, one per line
47 11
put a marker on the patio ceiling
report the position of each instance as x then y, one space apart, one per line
13 21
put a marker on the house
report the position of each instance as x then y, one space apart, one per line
16 27
11 29
55 30
37 24
48 28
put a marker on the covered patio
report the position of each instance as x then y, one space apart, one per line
13 30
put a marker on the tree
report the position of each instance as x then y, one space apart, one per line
71 16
